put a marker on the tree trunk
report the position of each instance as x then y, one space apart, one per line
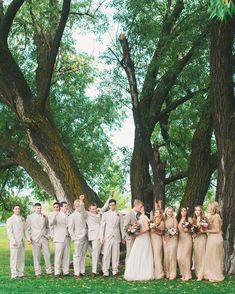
64 175
141 186
201 164
224 121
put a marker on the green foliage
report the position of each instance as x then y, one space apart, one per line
222 9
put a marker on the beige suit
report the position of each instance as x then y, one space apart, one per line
93 222
112 232
16 235
61 239
129 218
78 232
37 231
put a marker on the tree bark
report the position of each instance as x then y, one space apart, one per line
141 185
201 163
222 43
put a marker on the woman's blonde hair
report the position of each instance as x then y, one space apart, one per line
165 212
214 207
202 214
161 217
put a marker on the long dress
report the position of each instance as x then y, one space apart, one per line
157 246
214 259
139 265
199 252
170 251
184 252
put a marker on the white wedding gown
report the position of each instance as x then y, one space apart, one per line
139 265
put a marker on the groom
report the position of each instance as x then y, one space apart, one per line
130 218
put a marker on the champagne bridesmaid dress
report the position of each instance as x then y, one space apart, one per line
214 260
170 251
199 252
184 252
157 245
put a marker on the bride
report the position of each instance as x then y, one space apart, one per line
139 265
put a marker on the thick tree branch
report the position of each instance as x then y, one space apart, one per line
176 177
8 18
8 163
24 158
169 78
165 37
44 93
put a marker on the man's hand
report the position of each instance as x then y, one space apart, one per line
14 244
123 241
82 197
112 194
101 241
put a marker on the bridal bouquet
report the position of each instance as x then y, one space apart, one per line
203 224
171 232
194 230
186 225
133 229
153 225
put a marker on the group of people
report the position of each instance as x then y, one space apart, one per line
153 248
163 242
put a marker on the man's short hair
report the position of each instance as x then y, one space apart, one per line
15 205
113 201
62 203
37 204
137 202
93 204
56 203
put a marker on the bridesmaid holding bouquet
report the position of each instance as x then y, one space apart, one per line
157 228
199 241
184 251
214 259
170 242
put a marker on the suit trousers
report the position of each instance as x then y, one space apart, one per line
62 256
17 260
41 246
79 255
111 249
96 249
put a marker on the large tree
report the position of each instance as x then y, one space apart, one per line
222 72
41 148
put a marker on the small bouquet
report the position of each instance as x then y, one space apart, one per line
171 232
152 225
186 225
133 229
203 224
194 230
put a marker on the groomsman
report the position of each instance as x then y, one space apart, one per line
37 233
93 222
78 232
111 234
56 209
130 218
61 239
16 235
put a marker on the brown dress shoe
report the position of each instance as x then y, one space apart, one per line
93 275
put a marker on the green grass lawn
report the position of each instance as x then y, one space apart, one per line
45 284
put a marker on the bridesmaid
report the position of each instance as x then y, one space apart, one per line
184 250
214 259
170 242
156 240
199 243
